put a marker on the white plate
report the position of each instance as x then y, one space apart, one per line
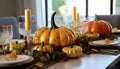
17 64
102 42
115 31
20 58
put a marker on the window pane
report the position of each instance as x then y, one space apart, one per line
116 7
64 9
101 7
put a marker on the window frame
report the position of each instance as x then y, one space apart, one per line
87 10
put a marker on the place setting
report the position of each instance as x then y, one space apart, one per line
105 46
9 56
99 41
104 43
115 31
10 60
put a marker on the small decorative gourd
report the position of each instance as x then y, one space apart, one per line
73 51
92 36
44 48
14 45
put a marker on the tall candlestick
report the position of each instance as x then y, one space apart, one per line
77 19
28 37
74 14
27 19
77 16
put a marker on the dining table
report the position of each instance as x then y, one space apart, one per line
94 60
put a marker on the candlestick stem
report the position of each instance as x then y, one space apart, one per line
28 36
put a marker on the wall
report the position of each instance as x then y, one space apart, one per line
8 8
31 4
38 9
17 7
20 7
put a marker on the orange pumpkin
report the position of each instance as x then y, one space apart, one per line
102 27
55 36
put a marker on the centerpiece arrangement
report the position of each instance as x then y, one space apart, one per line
60 38
48 44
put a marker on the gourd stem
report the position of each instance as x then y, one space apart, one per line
71 45
53 25
42 43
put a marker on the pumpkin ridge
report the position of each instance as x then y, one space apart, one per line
54 37
38 35
45 37
96 25
89 27
64 38
71 33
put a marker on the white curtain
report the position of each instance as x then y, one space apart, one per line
37 7
40 12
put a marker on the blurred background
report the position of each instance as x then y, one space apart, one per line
43 9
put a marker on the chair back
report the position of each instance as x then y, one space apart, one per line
113 19
11 21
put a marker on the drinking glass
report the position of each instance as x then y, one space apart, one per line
22 29
10 32
6 34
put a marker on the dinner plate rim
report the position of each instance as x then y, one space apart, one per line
118 31
17 64
19 40
15 61
92 44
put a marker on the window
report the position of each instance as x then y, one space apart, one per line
116 7
64 10
86 8
100 7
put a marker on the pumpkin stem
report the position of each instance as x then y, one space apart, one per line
42 43
91 32
96 17
71 45
53 25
